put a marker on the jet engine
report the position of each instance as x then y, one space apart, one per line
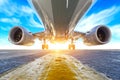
20 36
97 36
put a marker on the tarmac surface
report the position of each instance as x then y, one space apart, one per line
104 61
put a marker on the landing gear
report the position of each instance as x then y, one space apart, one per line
44 45
72 45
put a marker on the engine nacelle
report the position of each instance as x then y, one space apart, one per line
20 36
97 36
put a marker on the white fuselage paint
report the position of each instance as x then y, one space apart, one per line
67 3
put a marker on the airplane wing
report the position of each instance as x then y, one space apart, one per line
39 35
78 35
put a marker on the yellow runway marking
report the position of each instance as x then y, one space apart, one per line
54 67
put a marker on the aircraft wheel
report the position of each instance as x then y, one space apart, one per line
71 46
45 46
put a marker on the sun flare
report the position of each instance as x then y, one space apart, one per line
61 46
58 46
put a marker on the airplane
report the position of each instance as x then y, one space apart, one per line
59 18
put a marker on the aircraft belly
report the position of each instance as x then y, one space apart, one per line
61 16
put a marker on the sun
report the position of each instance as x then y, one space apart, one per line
58 46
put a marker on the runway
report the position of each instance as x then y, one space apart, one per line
104 61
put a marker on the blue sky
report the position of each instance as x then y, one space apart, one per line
19 13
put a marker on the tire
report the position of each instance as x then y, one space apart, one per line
45 46
71 47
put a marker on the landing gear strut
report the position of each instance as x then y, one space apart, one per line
72 45
44 45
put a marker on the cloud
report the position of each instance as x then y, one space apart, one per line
11 8
31 14
27 10
2 2
7 22
17 13
10 20
7 28
34 23
103 17
116 31
8 8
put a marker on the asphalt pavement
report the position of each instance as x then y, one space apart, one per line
104 61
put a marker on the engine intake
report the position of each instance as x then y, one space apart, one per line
20 36
98 35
